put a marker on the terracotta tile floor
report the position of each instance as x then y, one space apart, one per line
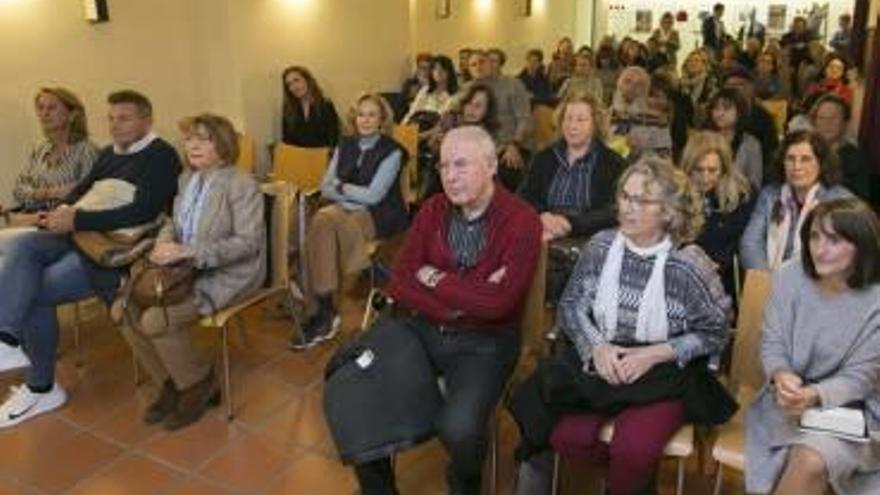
278 442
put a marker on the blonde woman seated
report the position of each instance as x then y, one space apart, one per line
362 184
727 199
61 160
820 349
217 225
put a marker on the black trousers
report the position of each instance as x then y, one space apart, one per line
475 367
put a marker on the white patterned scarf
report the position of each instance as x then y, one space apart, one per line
778 232
652 324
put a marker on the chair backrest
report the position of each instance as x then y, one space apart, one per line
545 127
533 329
302 167
778 109
282 195
247 153
408 137
746 369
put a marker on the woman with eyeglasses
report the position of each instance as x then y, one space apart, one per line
641 308
812 175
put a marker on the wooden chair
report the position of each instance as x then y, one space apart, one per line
302 167
247 154
279 279
408 137
778 109
534 345
545 126
746 373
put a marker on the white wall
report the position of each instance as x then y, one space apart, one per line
491 23
618 16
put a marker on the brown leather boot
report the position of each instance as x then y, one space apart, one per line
193 402
164 404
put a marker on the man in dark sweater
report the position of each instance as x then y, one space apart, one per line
463 273
45 268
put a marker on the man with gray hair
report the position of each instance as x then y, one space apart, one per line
461 278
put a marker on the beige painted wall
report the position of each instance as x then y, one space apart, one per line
486 23
191 55
149 46
350 45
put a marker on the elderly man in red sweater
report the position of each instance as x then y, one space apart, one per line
463 273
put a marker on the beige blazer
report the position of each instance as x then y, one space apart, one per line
230 242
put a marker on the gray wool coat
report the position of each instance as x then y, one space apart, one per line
832 342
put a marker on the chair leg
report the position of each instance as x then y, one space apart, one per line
77 323
368 312
557 471
137 370
227 378
679 484
242 330
291 301
719 473
493 458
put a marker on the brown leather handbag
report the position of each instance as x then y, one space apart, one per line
160 285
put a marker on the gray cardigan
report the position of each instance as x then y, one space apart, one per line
230 241
832 342
753 244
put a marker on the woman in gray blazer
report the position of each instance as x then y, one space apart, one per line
811 177
217 225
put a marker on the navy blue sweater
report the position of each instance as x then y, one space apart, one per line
152 170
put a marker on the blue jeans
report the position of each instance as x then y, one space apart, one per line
38 271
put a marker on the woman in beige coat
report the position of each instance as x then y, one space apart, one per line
217 225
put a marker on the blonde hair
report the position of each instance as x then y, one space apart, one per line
597 110
387 115
78 129
681 202
733 187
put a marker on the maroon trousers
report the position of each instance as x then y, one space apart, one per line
640 435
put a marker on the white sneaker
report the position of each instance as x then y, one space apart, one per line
22 404
12 358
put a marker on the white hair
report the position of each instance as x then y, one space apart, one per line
476 135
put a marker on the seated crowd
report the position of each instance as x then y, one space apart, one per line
658 193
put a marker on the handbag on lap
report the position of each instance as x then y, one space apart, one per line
120 247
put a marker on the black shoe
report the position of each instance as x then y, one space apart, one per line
321 327
163 405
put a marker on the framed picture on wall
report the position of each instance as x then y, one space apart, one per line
776 17
644 20
444 9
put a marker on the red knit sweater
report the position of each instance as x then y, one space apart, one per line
467 299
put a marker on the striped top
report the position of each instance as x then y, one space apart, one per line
570 189
43 172
696 304
466 238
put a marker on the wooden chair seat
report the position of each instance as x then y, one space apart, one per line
680 445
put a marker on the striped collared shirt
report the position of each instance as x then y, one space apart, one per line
466 238
570 188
